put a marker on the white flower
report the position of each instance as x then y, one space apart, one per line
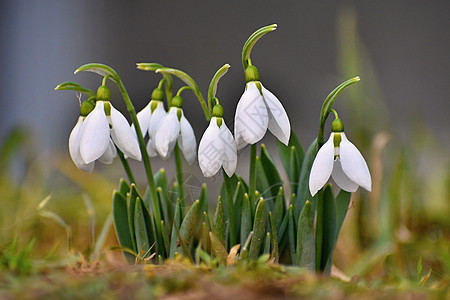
217 148
257 111
91 137
175 127
339 158
149 119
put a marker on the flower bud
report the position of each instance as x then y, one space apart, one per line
251 74
177 101
87 106
103 93
158 94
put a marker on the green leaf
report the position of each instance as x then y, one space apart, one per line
271 172
329 229
131 214
291 233
227 192
246 220
342 202
244 251
100 69
291 157
219 226
143 244
175 227
219 249
204 198
419 269
303 193
305 238
73 86
259 228
121 224
274 239
280 208
189 226
267 244
124 188
251 41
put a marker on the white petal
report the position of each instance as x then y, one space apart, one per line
109 154
322 167
251 119
157 116
186 140
151 148
144 120
341 179
353 164
95 137
167 133
123 136
278 120
229 150
74 147
210 150
239 140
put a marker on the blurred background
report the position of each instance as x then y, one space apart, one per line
398 114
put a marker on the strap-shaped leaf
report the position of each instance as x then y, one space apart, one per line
305 238
271 172
329 229
219 249
175 227
291 157
279 209
259 229
292 233
246 219
303 193
204 199
274 239
142 241
124 188
219 225
120 216
189 226
266 250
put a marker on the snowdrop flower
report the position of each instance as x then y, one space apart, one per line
93 135
150 118
259 110
339 158
176 128
217 147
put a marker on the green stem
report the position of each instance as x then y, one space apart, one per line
142 147
126 166
179 168
319 230
252 179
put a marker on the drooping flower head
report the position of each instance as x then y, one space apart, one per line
150 118
173 128
259 110
93 136
217 147
339 158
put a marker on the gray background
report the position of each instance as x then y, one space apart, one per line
405 44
